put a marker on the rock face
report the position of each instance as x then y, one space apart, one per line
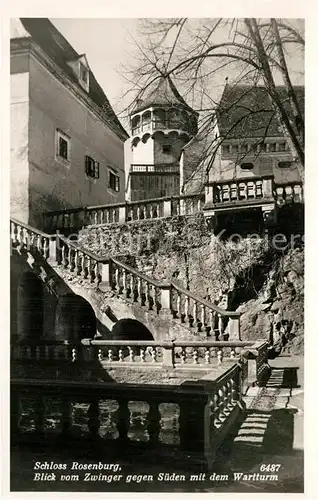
267 286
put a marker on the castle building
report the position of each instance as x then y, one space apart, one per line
161 124
67 145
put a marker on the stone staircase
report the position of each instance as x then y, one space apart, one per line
116 289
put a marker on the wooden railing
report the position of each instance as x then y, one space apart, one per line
206 410
75 218
112 274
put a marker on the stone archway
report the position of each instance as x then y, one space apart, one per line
75 319
30 307
130 329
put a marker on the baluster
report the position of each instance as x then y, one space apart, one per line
121 355
139 289
40 414
151 211
93 419
195 312
125 282
14 232
123 418
203 315
207 356
183 355
37 352
153 422
179 304
187 308
74 355
20 238
132 287
66 416
220 356
138 212
89 269
195 356
142 355
216 406
220 326
131 354
110 355
153 354
46 248
232 355
221 401
148 295
117 280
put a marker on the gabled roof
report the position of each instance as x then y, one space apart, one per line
162 92
52 42
246 111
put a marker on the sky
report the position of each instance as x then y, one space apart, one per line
108 46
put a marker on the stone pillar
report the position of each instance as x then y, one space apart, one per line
106 275
167 208
168 354
209 189
122 216
165 296
52 249
268 187
192 421
234 328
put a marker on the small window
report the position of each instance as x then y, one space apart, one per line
166 148
263 147
113 181
284 164
244 148
91 167
83 73
282 146
247 166
272 147
63 143
235 149
226 149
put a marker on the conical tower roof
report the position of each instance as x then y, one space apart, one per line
162 92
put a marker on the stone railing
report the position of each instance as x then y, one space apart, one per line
291 192
240 190
151 354
206 408
112 274
75 218
203 315
25 237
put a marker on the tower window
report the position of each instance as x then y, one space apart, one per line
282 146
91 167
226 149
247 166
63 146
113 181
166 148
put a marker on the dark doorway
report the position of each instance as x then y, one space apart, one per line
75 319
30 307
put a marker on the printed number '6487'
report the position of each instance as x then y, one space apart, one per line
270 467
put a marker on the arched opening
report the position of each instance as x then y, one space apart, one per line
173 118
130 329
146 120
135 124
75 319
30 308
159 116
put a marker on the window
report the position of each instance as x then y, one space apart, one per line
226 149
83 73
234 149
284 164
113 181
282 146
91 167
63 146
247 166
272 147
166 148
244 148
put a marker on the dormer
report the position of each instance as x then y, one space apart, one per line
81 69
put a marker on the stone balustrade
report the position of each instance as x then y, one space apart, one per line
169 354
206 408
161 168
25 237
76 218
240 190
112 274
291 192
203 315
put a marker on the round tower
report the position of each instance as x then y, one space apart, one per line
161 124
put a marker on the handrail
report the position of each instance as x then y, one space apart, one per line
125 203
134 271
75 246
32 229
204 302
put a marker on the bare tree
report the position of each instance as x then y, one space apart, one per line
197 53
